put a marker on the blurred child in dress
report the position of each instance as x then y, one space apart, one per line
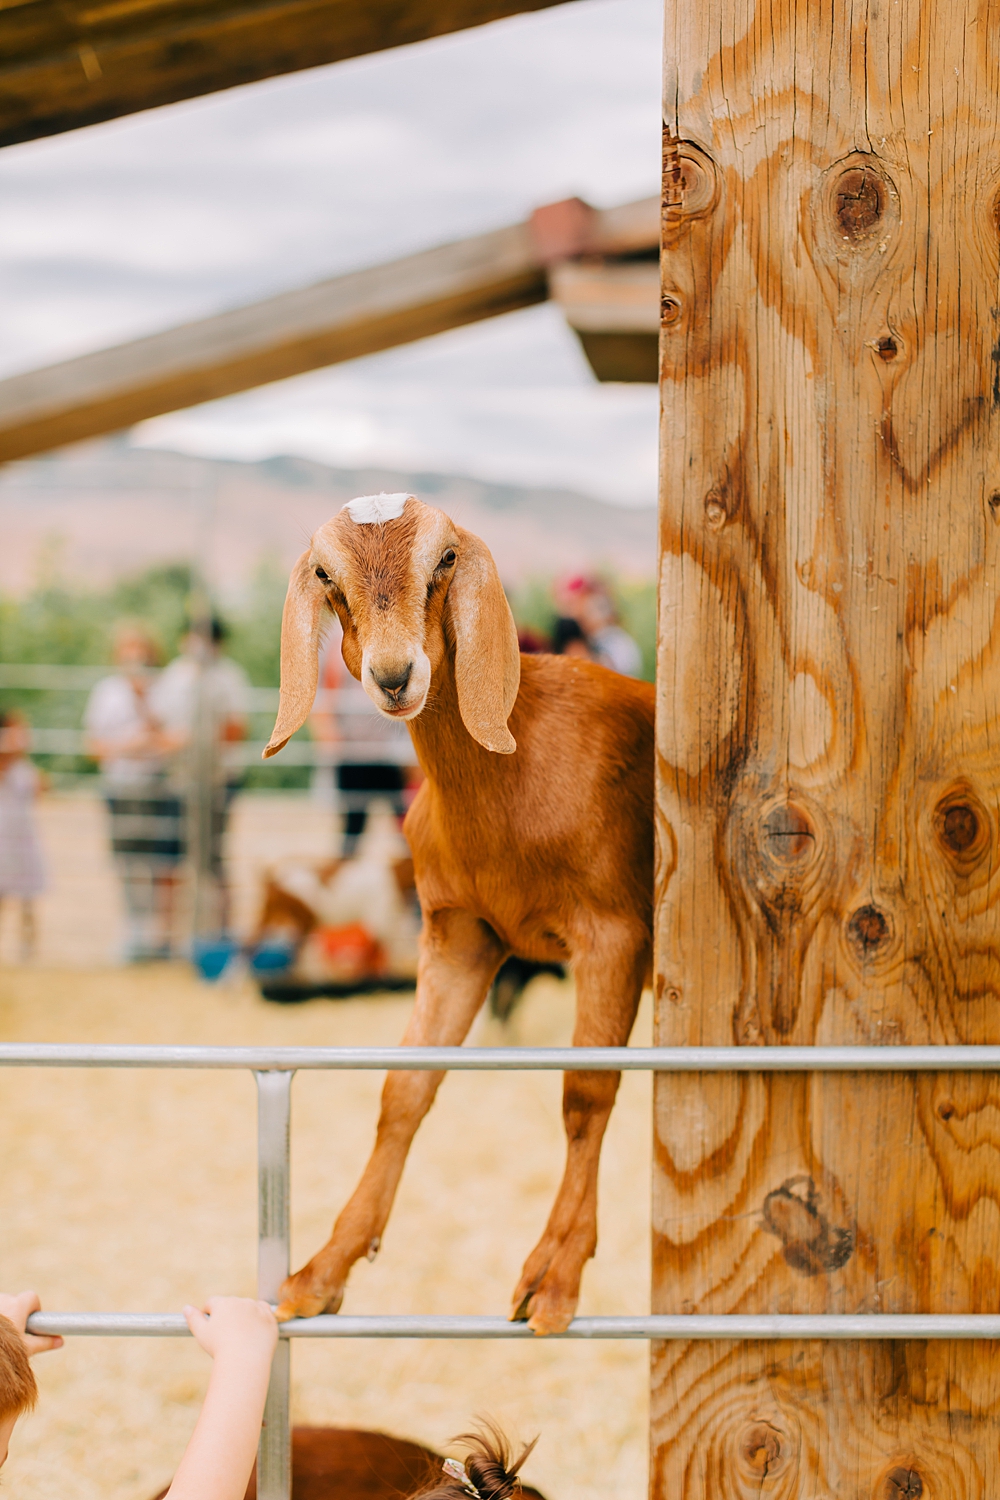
22 866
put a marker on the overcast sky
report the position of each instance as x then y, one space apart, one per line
124 228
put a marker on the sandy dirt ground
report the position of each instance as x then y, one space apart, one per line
136 1191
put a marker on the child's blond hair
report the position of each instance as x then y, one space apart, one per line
18 1391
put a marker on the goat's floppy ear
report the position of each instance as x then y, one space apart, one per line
301 620
487 657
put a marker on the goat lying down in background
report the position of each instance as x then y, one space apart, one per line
348 921
531 835
344 920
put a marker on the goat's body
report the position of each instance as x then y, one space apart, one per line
356 1465
551 844
532 836
546 854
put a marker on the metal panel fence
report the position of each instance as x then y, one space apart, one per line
274 1069
50 677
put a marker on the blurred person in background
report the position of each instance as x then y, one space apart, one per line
22 867
588 601
373 756
128 737
532 642
568 639
203 681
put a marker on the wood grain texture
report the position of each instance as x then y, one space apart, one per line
67 63
828 733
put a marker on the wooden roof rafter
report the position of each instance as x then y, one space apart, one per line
69 63
599 264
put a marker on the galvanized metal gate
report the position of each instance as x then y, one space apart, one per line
275 1067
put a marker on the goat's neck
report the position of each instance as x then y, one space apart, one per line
447 753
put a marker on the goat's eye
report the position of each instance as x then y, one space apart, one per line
322 575
448 558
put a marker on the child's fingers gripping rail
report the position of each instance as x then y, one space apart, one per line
17 1309
240 1334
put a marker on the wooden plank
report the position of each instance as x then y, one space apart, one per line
302 330
614 309
319 325
829 763
598 297
629 357
67 63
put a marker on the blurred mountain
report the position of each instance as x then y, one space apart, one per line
98 511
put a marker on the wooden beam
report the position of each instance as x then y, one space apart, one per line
286 335
320 325
614 309
67 63
829 758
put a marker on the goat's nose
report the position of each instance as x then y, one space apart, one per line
394 679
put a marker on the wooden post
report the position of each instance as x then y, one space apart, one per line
829 734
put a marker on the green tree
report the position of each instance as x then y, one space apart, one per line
61 624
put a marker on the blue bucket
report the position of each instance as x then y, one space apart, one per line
272 957
211 955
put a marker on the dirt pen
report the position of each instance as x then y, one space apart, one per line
137 1191
127 1191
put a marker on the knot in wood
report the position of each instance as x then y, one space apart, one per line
689 178
959 828
670 309
868 930
790 837
859 202
994 504
902 1484
811 1244
962 826
886 347
760 1448
715 510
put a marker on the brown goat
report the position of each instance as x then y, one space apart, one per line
343 1463
534 839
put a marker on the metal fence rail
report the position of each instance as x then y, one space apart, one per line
50 677
768 1326
275 1067
512 1059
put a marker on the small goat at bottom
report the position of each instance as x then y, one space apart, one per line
532 835
345 1463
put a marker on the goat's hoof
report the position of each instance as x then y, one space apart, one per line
550 1315
305 1302
523 1293
546 1308
520 1313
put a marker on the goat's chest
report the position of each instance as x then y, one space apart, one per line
469 852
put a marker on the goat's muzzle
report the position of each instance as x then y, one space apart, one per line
393 680
397 687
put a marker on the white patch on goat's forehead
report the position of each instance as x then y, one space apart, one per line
368 510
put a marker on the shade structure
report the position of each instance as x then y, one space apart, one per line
353 315
68 63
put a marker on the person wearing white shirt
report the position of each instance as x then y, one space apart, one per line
203 681
134 748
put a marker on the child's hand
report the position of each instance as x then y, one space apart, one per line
240 1335
19 1309
234 1325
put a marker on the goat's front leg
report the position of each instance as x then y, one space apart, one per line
609 987
459 956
